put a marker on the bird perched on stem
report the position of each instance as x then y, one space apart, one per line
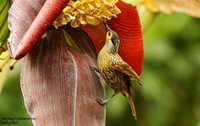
114 70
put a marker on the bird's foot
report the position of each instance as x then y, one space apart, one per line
95 69
102 102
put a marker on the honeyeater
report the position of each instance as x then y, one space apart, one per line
114 70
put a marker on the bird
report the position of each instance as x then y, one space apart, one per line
114 70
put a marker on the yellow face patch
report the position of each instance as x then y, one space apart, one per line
87 12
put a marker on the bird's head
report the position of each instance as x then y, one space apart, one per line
112 39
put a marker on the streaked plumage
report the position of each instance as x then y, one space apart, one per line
114 70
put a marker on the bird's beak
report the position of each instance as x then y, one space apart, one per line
107 27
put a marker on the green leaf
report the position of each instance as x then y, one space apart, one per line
4 31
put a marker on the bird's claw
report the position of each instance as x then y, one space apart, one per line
101 102
95 69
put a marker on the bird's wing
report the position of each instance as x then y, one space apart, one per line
120 65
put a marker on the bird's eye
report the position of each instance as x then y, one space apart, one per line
109 33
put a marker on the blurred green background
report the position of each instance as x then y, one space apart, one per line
170 95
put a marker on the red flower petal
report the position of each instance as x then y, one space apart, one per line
33 29
96 34
128 27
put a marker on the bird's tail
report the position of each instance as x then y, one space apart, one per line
132 105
